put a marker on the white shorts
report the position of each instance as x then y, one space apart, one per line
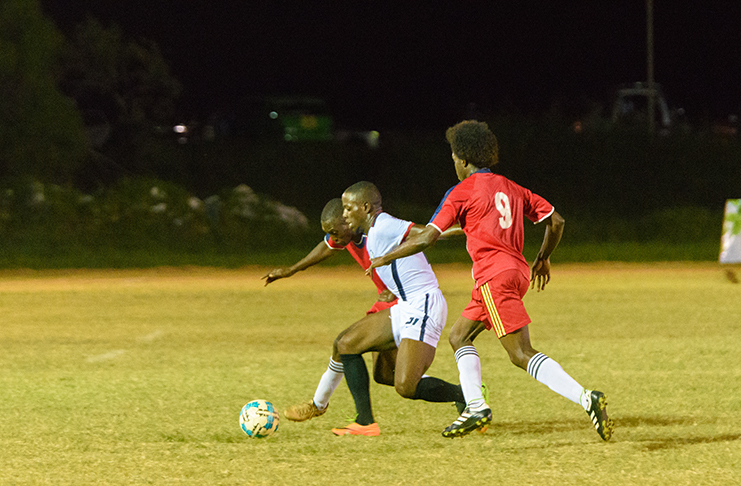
420 319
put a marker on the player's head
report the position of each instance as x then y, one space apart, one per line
473 142
334 224
361 202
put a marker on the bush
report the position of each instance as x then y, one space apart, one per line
138 215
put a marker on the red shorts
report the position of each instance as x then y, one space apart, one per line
498 303
379 306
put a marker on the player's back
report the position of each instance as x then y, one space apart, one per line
491 212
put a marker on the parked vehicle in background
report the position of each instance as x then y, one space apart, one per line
301 118
631 106
287 118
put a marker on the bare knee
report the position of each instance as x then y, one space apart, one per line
342 345
463 333
335 351
455 341
406 388
520 357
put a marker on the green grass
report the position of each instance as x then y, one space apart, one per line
138 376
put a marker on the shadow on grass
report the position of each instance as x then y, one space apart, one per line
659 443
220 438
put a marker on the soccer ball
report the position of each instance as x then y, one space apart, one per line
259 419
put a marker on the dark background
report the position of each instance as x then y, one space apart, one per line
420 64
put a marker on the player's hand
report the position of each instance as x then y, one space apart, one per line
540 274
386 296
276 274
375 263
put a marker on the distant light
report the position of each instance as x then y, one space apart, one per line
273 115
179 129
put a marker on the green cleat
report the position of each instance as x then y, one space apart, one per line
468 422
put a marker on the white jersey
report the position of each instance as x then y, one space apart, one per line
409 277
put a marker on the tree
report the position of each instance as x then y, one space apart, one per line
123 82
41 132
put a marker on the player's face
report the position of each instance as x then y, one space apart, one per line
338 231
352 211
458 167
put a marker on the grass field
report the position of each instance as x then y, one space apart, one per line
138 376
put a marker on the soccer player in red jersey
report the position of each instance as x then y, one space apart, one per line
339 237
490 209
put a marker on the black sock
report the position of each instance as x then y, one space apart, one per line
356 376
432 389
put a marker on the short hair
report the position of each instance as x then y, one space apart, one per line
473 142
366 192
332 211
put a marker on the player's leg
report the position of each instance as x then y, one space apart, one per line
547 371
384 365
328 383
372 333
412 361
477 412
417 326
461 338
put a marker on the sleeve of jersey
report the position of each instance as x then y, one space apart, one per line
331 244
397 230
536 208
447 212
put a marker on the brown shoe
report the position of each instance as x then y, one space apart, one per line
303 411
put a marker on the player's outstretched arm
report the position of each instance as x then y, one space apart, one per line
420 238
454 230
320 253
540 273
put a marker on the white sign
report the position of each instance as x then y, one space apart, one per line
730 242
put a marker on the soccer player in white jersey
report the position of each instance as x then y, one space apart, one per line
413 325
339 236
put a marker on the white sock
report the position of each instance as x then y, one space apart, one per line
550 373
469 374
328 383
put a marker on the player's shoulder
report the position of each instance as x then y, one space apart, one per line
384 220
388 226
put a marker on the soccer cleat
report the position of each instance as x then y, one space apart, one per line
303 411
354 428
460 407
597 411
468 422
485 393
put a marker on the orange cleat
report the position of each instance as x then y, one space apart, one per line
354 428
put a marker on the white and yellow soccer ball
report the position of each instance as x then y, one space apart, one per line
259 419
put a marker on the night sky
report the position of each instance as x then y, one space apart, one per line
392 65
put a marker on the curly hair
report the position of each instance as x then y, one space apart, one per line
473 142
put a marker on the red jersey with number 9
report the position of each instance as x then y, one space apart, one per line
490 209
